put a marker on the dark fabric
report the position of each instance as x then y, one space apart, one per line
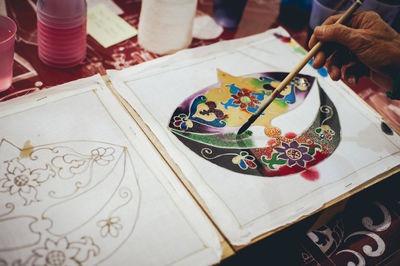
367 232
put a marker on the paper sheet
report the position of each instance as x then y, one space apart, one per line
81 185
246 205
106 27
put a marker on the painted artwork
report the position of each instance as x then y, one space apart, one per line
40 189
207 122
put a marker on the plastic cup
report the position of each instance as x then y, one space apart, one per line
322 9
8 28
387 11
228 13
165 26
61 32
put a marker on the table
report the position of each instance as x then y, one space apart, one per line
377 207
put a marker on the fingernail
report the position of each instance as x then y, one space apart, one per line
313 63
351 80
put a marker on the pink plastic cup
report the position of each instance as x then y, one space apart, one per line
61 32
8 28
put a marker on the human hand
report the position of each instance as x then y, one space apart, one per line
366 46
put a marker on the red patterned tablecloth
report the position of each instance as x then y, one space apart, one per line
31 74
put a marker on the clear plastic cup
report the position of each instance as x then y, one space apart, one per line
322 9
61 32
8 28
387 11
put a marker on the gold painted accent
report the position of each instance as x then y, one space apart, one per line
26 150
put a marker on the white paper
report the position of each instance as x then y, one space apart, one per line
246 206
90 188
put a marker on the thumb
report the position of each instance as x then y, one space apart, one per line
340 34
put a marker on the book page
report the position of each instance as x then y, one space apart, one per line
80 184
315 143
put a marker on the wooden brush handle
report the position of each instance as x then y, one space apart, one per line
297 69
307 58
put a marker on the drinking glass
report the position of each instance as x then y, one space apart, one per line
8 28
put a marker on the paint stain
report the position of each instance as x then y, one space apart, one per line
290 135
27 150
311 174
282 38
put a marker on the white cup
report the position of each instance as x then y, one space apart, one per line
165 26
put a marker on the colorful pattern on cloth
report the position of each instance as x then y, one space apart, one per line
207 123
365 233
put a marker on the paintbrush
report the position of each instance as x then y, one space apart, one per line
296 70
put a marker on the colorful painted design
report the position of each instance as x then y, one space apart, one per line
207 122
182 121
292 153
244 160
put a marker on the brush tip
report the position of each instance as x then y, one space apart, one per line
242 129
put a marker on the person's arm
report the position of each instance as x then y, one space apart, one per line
367 46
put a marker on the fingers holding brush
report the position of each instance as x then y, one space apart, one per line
322 56
340 58
374 46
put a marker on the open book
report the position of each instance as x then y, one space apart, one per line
151 171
